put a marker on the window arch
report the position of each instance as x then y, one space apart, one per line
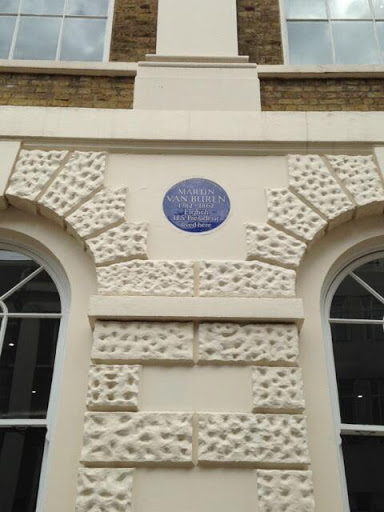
355 307
30 316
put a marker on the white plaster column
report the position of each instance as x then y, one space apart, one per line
197 28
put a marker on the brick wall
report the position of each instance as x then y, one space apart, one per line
361 94
66 90
259 31
134 30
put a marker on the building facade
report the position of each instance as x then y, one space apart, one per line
192 248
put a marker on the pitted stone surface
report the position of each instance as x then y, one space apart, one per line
82 175
310 178
34 169
131 438
106 208
288 491
113 387
360 176
292 214
269 244
142 341
124 242
104 490
247 344
277 388
245 279
253 438
170 278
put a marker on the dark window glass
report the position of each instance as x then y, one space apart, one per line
39 295
352 300
372 273
21 452
364 469
359 355
26 367
14 267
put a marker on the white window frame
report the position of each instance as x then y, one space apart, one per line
62 285
329 290
107 37
285 41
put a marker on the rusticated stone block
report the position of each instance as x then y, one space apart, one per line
312 180
248 344
288 491
105 209
253 439
277 388
124 242
113 387
361 178
34 170
137 438
293 215
104 490
82 175
133 342
170 278
269 244
245 279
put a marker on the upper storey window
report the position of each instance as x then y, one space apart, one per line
53 29
335 31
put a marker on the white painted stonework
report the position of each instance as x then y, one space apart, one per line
279 389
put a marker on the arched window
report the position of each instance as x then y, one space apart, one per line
356 318
30 314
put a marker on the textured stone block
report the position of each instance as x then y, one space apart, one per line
273 246
361 178
104 490
105 209
33 171
170 278
82 175
293 215
277 388
137 438
288 491
142 341
253 439
124 242
250 343
245 279
113 387
312 180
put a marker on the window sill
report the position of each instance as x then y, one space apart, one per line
69 68
328 71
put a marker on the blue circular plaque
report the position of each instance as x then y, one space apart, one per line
196 205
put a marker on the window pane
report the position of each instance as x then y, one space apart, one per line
309 43
21 453
305 9
359 353
380 35
87 8
349 9
39 295
7 25
364 468
351 300
37 38
26 367
379 8
372 273
42 7
14 267
83 39
9 6
355 42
